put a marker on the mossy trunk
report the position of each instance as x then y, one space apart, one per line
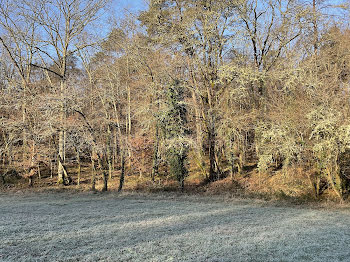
335 182
64 179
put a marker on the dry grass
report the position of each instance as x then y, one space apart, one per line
110 227
293 186
293 183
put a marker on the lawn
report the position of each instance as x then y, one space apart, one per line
111 227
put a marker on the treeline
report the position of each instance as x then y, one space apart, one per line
208 87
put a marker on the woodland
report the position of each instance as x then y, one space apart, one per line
226 95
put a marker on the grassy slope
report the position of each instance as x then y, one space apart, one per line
109 227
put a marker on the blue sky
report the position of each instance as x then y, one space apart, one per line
131 5
115 11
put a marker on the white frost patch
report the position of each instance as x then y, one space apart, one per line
88 227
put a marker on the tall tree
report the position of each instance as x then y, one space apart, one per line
175 131
201 31
61 23
18 38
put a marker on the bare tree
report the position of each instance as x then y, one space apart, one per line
60 25
18 39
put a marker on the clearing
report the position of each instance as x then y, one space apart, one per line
111 227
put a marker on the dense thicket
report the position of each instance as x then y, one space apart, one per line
204 88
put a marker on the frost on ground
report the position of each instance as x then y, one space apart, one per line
87 227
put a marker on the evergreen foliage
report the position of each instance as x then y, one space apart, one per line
175 132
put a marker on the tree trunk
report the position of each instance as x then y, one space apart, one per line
155 167
197 110
3 156
93 175
315 26
336 189
122 175
109 152
64 144
60 156
30 182
182 185
232 158
79 167
9 155
61 136
51 169
2 178
217 166
101 168
211 141
116 148
129 96
105 181
24 119
39 173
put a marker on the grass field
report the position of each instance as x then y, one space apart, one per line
110 227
